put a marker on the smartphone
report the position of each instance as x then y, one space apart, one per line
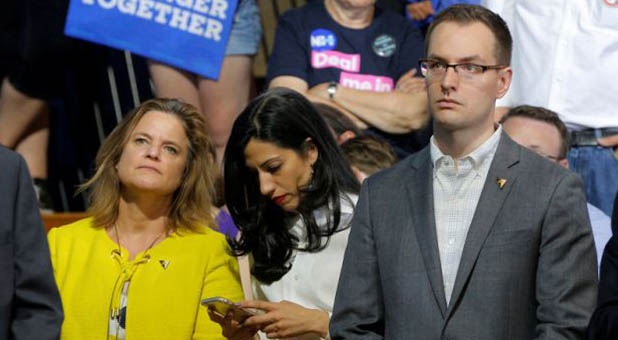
222 306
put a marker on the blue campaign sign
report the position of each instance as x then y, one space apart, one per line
189 34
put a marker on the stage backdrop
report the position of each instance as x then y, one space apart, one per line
189 34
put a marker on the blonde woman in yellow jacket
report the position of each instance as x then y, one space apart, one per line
138 268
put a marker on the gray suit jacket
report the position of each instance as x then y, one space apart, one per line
30 305
527 271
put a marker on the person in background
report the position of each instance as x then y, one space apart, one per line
291 194
474 237
542 131
361 60
368 155
34 54
138 268
343 127
222 100
604 321
563 60
422 12
30 307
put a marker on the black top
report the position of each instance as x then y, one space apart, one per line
311 45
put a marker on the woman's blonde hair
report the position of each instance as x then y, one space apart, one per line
192 203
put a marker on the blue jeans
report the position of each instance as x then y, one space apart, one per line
599 169
246 30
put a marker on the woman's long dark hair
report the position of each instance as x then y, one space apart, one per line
285 118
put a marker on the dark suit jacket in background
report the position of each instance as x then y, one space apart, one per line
30 307
604 322
527 271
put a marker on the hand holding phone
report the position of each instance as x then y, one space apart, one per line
222 306
232 327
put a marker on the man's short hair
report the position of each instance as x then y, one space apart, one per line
369 154
336 119
464 14
543 115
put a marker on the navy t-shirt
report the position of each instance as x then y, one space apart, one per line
312 46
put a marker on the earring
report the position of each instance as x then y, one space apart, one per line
311 185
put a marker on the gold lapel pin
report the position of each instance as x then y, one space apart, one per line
164 263
501 182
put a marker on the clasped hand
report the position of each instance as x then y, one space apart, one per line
410 84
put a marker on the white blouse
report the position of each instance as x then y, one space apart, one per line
312 280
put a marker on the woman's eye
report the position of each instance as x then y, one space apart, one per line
171 150
140 140
273 169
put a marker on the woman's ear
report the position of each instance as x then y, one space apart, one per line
311 151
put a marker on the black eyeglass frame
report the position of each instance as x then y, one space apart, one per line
484 68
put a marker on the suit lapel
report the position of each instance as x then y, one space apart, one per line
420 194
500 179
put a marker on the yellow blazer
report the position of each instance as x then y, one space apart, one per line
163 303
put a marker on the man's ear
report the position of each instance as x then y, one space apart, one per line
505 76
345 136
360 176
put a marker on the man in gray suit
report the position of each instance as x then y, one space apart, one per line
30 307
474 237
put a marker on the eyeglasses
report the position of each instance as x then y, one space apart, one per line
433 69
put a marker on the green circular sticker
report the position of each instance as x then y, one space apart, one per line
384 45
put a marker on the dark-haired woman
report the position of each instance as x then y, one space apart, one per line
291 194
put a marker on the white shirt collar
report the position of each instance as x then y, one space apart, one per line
347 203
478 157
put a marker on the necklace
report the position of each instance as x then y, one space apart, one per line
164 233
